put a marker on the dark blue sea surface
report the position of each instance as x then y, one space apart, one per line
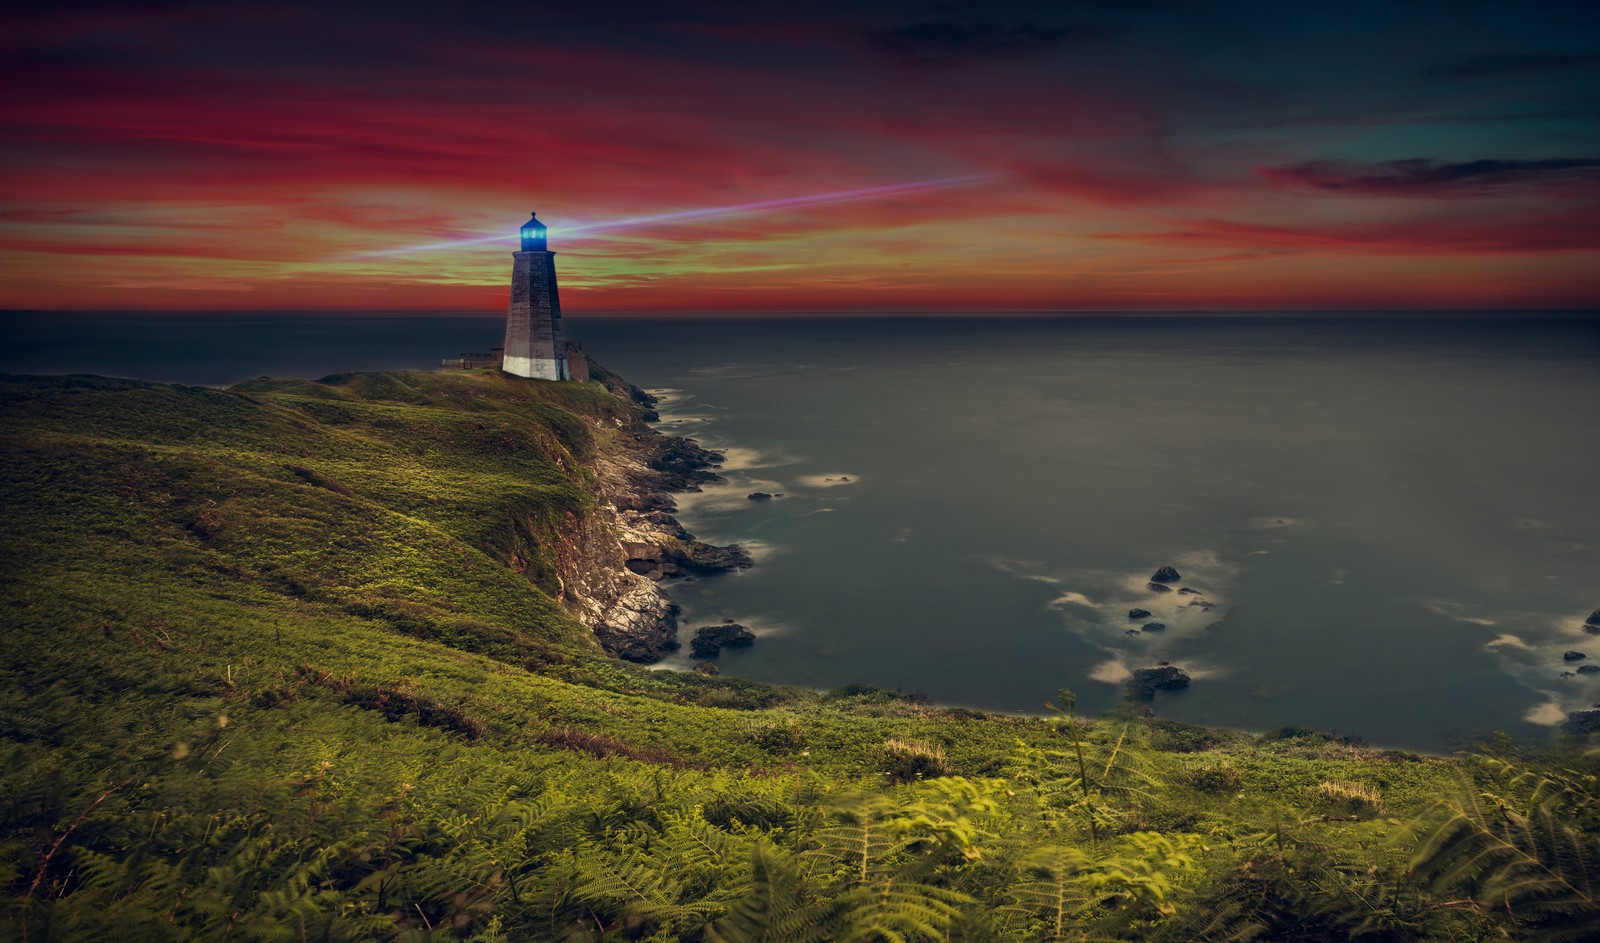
220 349
1393 524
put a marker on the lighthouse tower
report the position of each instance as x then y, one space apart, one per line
535 344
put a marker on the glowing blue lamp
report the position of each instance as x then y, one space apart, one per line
533 234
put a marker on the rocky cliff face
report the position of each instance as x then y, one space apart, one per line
613 560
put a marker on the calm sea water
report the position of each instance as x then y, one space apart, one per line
1396 522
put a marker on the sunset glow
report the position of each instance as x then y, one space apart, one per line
716 158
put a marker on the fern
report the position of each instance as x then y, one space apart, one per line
896 911
887 856
1519 852
1100 783
1049 896
774 908
1067 893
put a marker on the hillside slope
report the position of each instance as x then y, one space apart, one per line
329 660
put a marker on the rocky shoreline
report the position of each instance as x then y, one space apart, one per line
621 553
617 560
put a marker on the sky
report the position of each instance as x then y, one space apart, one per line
905 156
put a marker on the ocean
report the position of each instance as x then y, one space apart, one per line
1391 525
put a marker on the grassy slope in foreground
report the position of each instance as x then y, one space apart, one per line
270 673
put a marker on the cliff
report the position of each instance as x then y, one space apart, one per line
613 558
404 497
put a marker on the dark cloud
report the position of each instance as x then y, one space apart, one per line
1512 64
948 43
1420 176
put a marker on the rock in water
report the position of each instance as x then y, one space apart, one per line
1573 656
1594 618
1155 626
1166 574
1160 588
759 496
1588 669
707 668
1145 682
1138 613
711 639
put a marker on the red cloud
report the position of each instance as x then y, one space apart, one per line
1569 230
214 156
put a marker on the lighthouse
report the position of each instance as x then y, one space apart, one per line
535 344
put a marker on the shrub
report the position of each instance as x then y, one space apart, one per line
720 697
583 741
1351 797
1216 778
785 737
907 761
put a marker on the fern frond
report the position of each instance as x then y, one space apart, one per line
771 910
1051 894
1514 853
898 912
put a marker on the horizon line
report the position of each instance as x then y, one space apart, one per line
798 314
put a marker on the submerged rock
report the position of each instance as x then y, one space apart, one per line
1145 682
1573 656
1138 613
1166 574
1160 588
759 496
1588 669
1154 627
1186 591
711 639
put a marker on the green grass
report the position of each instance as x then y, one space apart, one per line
285 662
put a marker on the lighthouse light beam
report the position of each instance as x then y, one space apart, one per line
739 209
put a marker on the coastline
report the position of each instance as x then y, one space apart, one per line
633 547
339 615
625 508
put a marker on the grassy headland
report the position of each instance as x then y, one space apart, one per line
301 660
